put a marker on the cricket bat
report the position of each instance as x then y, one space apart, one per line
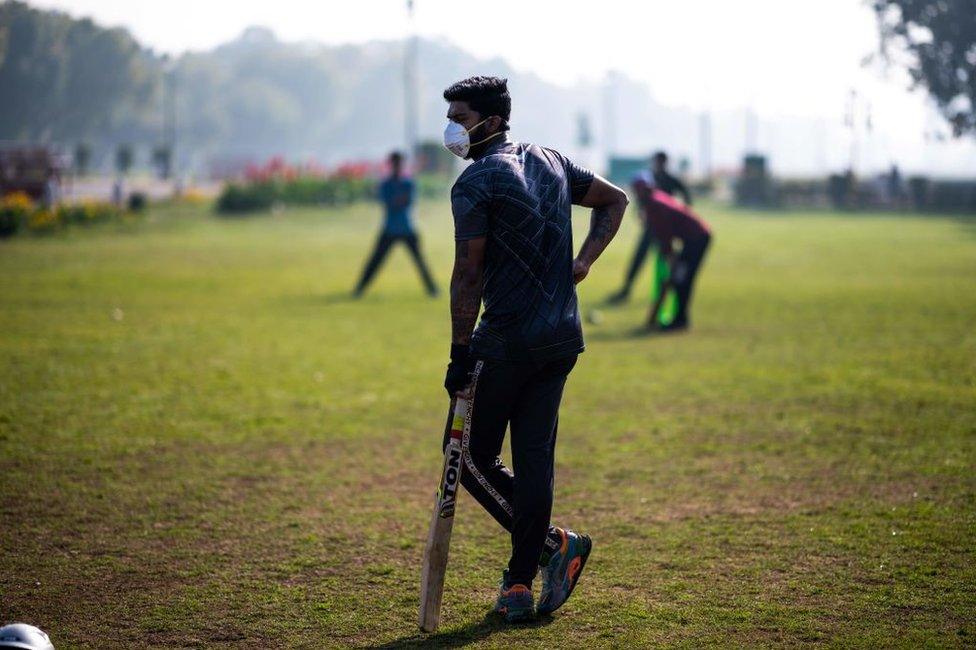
442 520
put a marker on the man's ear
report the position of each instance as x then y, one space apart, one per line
494 124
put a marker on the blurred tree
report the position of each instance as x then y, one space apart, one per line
82 158
124 158
939 39
64 78
162 157
69 80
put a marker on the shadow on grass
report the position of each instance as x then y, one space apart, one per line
632 334
336 297
458 638
346 297
314 300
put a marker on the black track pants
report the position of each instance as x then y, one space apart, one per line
644 243
380 251
525 397
688 262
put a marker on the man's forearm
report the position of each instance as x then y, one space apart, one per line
604 222
465 299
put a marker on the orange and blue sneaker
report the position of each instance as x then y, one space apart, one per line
515 603
560 575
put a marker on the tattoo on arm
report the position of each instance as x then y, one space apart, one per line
465 296
604 222
601 224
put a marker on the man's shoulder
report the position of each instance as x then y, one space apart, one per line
557 161
482 169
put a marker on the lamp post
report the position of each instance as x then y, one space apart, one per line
410 85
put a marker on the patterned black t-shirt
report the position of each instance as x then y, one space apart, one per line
519 196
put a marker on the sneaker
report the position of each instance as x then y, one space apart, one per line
515 603
559 577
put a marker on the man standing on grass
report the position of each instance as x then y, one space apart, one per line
659 177
514 254
396 193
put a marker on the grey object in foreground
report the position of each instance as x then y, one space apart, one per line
25 637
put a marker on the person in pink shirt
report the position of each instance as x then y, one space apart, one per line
671 222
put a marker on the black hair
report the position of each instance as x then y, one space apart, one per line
396 156
486 95
660 156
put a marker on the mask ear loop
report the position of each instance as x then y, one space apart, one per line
475 144
493 135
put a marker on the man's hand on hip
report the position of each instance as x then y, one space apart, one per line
580 270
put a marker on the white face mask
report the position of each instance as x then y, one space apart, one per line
457 139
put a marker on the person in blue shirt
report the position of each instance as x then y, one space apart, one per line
397 194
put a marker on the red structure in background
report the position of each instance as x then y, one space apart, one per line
278 168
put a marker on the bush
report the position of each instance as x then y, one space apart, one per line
89 212
237 199
44 221
258 195
434 186
18 212
942 195
802 192
15 210
952 196
137 202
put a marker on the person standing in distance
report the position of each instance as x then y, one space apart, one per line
661 179
396 192
514 254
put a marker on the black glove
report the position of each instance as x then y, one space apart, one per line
459 369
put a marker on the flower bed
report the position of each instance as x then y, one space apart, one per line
18 214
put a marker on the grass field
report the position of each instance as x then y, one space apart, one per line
204 443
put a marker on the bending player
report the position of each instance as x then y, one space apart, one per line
670 221
657 176
514 254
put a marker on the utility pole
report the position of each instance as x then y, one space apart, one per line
410 93
164 154
850 120
751 131
705 145
170 135
610 115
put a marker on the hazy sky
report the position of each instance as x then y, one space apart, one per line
781 57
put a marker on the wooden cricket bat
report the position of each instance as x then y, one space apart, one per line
442 521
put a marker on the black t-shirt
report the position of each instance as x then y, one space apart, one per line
520 197
669 185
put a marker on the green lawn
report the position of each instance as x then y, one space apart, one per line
204 443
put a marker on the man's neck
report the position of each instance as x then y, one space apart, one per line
483 150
